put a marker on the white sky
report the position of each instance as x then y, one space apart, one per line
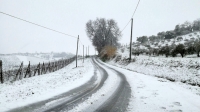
70 16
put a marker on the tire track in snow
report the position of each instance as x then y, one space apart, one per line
82 96
118 102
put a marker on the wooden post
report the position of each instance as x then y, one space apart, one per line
1 71
22 72
52 66
83 53
19 72
48 68
27 70
131 40
77 51
43 69
88 51
39 69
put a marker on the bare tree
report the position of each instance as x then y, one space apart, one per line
103 32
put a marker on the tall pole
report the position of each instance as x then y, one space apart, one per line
1 73
83 53
77 51
131 40
88 51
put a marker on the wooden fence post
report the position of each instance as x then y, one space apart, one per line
19 72
39 69
22 72
27 70
48 68
1 71
43 69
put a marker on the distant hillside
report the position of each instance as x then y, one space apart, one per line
190 45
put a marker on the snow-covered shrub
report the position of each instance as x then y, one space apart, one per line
108 52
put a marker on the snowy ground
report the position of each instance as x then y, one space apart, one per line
33 60
148 93
152 94
34 89
10 62
186 70
13 61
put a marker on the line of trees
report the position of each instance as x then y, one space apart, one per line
180 29
171 50
189 47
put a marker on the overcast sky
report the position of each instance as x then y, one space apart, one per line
70 16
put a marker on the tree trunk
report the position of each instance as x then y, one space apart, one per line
181 55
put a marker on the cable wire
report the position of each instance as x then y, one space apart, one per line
135 9
81 42
131 16
126 26
37 24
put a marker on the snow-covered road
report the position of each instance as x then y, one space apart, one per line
97 87
104 95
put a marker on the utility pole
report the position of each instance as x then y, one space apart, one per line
83 53
1 71
131 40
77 50
88 51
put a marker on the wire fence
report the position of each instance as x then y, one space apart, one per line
32 70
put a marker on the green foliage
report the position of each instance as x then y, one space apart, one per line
142 39
173 53
164 50
190 46
191 49
197 47
180 49
170 35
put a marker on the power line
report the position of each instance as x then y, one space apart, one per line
37 24
131 16
135 8
81 42
126 25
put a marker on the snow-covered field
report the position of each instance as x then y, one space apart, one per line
186 70
38 88
152 94
10 62
13 61
33 60
148 93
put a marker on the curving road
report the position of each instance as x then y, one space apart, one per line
118 101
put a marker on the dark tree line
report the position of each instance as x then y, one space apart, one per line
189 47
179 30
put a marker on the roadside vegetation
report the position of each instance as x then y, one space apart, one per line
183 40
104 35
